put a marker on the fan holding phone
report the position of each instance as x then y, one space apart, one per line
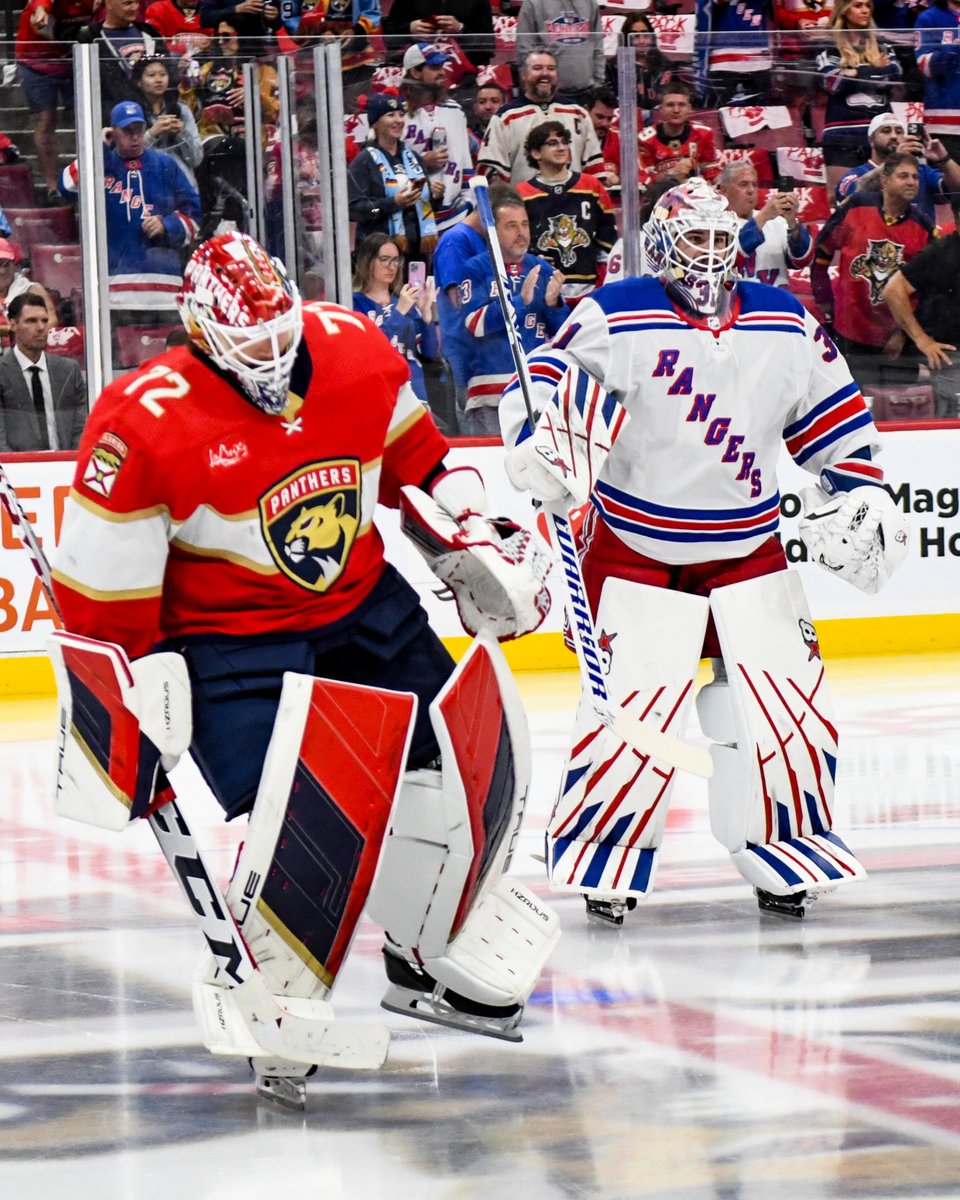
406 312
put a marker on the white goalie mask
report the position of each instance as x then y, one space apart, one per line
242 311
692 244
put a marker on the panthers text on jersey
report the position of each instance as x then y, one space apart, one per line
195 513
692 477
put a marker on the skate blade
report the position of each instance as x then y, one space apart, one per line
423 1007
288 1091
609 912
793 907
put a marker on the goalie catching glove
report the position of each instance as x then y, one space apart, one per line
860 536
494 568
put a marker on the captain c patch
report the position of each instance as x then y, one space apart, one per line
104 463
310 519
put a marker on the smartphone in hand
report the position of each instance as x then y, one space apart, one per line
417 274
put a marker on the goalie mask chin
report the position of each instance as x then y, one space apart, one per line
693 243
243 312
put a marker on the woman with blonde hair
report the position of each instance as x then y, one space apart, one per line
860 73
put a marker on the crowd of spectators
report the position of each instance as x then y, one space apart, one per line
435 91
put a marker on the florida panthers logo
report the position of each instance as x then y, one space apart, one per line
564 236
310 521
881 261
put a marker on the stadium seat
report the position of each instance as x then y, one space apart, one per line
16 186
32 225
137 343
891 402
58 267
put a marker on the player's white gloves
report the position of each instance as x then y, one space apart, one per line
494 568
860 536
570 442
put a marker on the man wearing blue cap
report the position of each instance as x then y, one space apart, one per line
152 211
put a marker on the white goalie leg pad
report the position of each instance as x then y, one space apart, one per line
772 789
118 722
608 820
440 890
329 782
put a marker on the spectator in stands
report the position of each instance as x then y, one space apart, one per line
939 175
153 210
489 97
5 225
602 106
387 183
872 235
938 57
178 23
454 251
470 22
738 53
502 152
773 240
571 30
676 147
436 128
351 22
406 312
170 123
571 216
43 399
859 72
45 70
121 40
654 71
535 293
933 279
256 22
15 283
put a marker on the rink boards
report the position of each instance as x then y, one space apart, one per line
919 610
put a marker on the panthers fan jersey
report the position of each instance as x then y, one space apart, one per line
693 476
659 153
572 226
194 513
870 250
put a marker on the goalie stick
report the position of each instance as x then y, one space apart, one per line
642 736
280 1034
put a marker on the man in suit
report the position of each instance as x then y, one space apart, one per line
43 399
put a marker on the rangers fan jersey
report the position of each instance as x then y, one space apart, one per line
660 153
692 477
194 513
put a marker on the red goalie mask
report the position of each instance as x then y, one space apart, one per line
240 309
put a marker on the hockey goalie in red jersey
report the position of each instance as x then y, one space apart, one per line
221 525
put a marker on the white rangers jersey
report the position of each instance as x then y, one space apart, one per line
692 478
456 201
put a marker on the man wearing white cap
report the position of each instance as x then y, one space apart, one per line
436 129
939 174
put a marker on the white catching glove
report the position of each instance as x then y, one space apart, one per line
494 568
860 536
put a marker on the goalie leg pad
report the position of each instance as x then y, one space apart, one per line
772 790
117 719
608 820
329 781
439 890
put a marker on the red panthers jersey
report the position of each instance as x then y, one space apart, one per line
195 513
659 153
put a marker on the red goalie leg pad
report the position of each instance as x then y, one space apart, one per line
325 816
472 711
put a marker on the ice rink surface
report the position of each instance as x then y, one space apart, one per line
701 1052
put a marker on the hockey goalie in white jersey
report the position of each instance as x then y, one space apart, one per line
679 555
